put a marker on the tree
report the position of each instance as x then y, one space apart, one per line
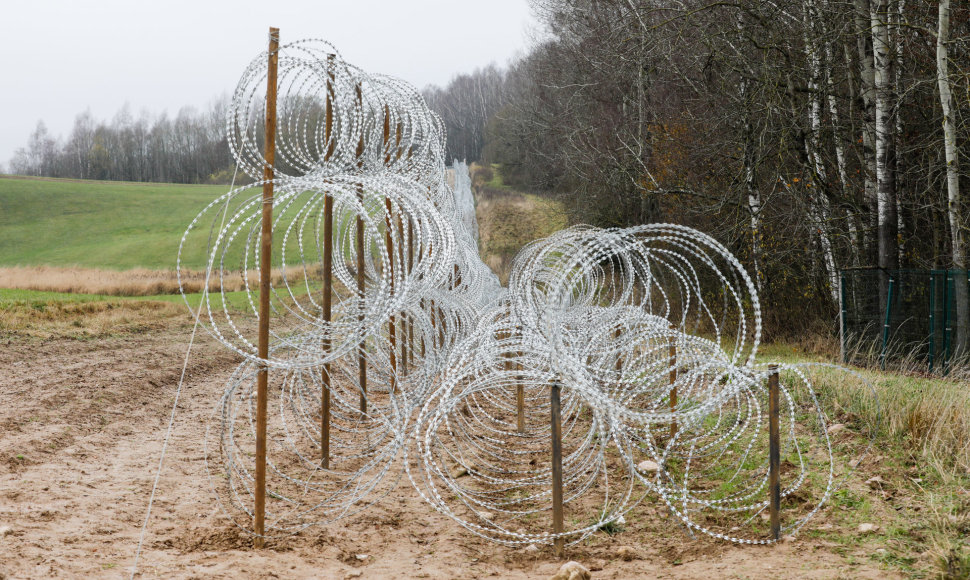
954 200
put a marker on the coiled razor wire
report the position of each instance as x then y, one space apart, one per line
651 331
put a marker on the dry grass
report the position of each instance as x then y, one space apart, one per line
87 320
507 221
137 282
929 416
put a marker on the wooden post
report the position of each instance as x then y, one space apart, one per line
410 360
361 294
774 454
402 261
434 324
326 304
441 327
265 269
422 336
557 512
673 381
389 242
619 359
519 397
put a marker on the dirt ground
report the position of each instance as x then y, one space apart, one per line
82 424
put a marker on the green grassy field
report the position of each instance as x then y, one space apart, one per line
96 224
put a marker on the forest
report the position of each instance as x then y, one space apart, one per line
808 135
190 148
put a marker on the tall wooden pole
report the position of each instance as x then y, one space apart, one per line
265 265
410 360
389 242
326 304
774 454
557 512
362 352
402 261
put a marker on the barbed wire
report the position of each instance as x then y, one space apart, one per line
429 367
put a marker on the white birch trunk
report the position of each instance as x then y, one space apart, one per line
867 89
954 211
819 209
885 128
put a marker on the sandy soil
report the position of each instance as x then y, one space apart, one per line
81 431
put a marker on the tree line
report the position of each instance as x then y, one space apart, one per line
189 148
808 135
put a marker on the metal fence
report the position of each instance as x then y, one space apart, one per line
893 315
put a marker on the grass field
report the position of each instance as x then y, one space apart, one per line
508 219
94 224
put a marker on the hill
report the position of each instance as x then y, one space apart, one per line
97 224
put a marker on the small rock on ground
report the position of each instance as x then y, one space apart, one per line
868 528
572 571
648 466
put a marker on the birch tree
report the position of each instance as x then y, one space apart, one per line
954 200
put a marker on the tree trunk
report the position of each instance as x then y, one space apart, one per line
954 202
885 128
867 105
819 206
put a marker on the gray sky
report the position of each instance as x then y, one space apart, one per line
66 56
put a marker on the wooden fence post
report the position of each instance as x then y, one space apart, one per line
265 269
519 396
774 454
327 302
361 294
557 509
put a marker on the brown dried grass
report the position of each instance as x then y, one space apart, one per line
88 320
137 282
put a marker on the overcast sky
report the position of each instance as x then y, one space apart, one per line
67 56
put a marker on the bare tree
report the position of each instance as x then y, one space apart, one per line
954 200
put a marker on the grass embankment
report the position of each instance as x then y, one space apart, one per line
86 259
94 224
915 483
508 219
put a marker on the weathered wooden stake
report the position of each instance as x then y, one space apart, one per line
410 360
326 303
389 242
673 381
401 261
557 514
619 359
519 398
774 454
361 294
265 269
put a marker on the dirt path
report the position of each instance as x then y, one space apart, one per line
81 431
